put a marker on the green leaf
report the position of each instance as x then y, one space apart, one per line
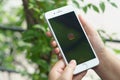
85 9
41 0
89 5
113 4
102 6
117 51
82 0
31 6
95 8
1 19
43 64
76 3
38 26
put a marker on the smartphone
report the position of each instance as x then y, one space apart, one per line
71 38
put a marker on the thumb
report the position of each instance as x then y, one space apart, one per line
68 71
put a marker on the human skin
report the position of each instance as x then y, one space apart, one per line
109 67
60 71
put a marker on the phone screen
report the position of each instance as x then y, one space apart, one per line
71 38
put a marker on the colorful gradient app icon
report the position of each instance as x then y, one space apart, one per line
71 36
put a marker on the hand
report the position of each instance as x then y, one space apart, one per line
94 39
92 35
62 72
109 67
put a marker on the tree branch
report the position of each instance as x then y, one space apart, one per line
2 27
113 40
8 70
31 20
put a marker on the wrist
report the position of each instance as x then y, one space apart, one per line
101 56
109 66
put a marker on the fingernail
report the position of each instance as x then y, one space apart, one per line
72 62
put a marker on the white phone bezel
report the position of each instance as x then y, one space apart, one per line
63 10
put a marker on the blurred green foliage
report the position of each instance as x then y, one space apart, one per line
9 39
33 41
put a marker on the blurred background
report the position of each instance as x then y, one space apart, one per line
25 52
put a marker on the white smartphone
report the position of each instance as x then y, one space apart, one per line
71 38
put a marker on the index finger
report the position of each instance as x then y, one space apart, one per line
49 34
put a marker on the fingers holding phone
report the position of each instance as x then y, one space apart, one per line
71 38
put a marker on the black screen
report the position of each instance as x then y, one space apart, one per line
71 38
